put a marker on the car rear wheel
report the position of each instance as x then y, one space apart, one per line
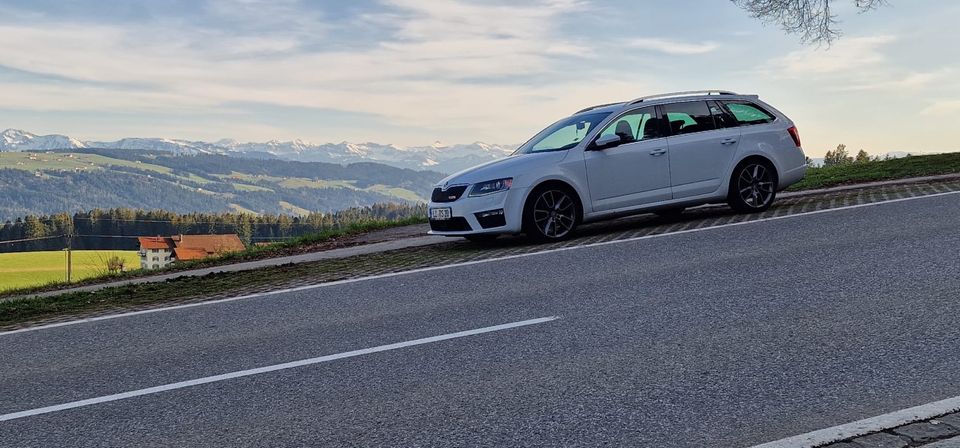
752 187
551 214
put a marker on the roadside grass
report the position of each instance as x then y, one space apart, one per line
32 269
286 247
854 173
183 289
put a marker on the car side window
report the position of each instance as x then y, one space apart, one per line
638 125
689 117
722 117
748 113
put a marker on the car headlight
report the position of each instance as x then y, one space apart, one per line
491 186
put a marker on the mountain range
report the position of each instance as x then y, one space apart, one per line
49 181
437 157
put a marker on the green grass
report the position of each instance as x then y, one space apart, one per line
286 247
15 312
248 187
31 269
853 173
52 162
293 209
396 192
241 209
299 182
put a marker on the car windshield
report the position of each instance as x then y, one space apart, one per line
564 134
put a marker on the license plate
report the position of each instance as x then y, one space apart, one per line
441 214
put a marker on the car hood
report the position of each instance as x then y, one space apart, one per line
516 166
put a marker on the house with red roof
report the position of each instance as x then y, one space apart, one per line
159 251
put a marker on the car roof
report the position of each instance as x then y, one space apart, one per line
666 98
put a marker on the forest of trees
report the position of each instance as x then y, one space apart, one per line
118 228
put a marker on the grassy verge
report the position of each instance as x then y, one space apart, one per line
854 173
289 247
211 286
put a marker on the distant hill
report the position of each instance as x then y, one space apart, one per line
437 157
68 180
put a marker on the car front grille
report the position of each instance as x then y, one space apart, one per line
455 224
449 195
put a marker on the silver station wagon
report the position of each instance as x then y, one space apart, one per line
658 154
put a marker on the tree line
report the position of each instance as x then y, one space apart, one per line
117 228
841 156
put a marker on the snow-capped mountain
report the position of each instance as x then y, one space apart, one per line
180 147
436 157
16 140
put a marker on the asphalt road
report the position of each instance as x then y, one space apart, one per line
728 337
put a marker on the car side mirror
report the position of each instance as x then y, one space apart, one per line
608 141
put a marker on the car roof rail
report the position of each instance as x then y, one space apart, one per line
596 107
686 93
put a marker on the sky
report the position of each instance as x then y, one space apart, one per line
412 72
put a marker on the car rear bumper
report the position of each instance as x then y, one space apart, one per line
792 176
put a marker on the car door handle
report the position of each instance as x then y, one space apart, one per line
658 152
728 141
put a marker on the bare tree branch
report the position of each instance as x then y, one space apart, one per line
812 20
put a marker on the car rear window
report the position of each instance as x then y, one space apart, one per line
748 113
722 116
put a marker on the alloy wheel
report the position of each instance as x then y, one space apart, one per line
755 185
554 214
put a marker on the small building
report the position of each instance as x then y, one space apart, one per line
155 252
159 252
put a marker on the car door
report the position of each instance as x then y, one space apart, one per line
634 170
701 146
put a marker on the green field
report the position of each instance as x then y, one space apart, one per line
25 269
42 162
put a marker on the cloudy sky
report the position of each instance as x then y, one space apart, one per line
411 72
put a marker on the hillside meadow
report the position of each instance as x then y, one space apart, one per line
26 269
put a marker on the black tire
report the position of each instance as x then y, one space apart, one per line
753 186
484 238
552 213
670 214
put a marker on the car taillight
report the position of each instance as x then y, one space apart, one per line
795 134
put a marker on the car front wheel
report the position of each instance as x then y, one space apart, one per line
551 214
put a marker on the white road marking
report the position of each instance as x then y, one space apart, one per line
867 426
267 369
468 263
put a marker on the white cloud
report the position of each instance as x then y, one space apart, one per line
942 107
412 79
855 64
847 55
673 47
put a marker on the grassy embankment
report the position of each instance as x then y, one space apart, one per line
855 173
27 272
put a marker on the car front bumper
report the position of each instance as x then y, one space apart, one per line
479 215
